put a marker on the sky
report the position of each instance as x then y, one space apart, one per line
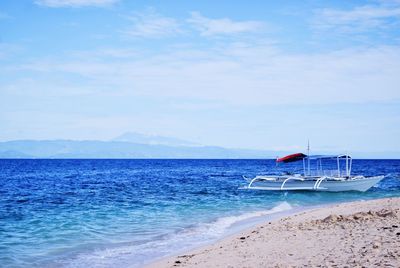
239 74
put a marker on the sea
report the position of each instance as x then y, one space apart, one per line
128 213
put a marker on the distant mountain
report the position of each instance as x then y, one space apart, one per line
118 149
144 147
13 154
134 137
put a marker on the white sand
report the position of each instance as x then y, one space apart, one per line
357 234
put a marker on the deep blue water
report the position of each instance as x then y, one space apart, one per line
111 213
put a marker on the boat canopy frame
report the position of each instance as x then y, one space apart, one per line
318 158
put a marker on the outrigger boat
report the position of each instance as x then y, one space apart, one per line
316 179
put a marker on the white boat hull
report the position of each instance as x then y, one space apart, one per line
361 184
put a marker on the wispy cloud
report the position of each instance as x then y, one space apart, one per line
151 24
74 3
256 74
365 18
224 26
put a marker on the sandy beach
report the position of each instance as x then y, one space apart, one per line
356 234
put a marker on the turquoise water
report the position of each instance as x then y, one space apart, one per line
111 213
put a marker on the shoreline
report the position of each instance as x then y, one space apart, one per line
249 220
354 233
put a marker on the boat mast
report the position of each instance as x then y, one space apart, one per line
308 157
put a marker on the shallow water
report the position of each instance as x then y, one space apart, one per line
111 213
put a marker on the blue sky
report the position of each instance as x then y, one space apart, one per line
248 74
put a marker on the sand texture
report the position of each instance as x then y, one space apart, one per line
357 234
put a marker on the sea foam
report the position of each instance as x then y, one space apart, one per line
136 255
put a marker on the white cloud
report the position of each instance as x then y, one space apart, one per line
224 26
151 24
241 74
75 3
359 19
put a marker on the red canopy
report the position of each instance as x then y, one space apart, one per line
291 158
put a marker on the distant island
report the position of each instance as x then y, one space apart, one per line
133 145
128 145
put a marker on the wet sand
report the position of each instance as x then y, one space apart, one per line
356 234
